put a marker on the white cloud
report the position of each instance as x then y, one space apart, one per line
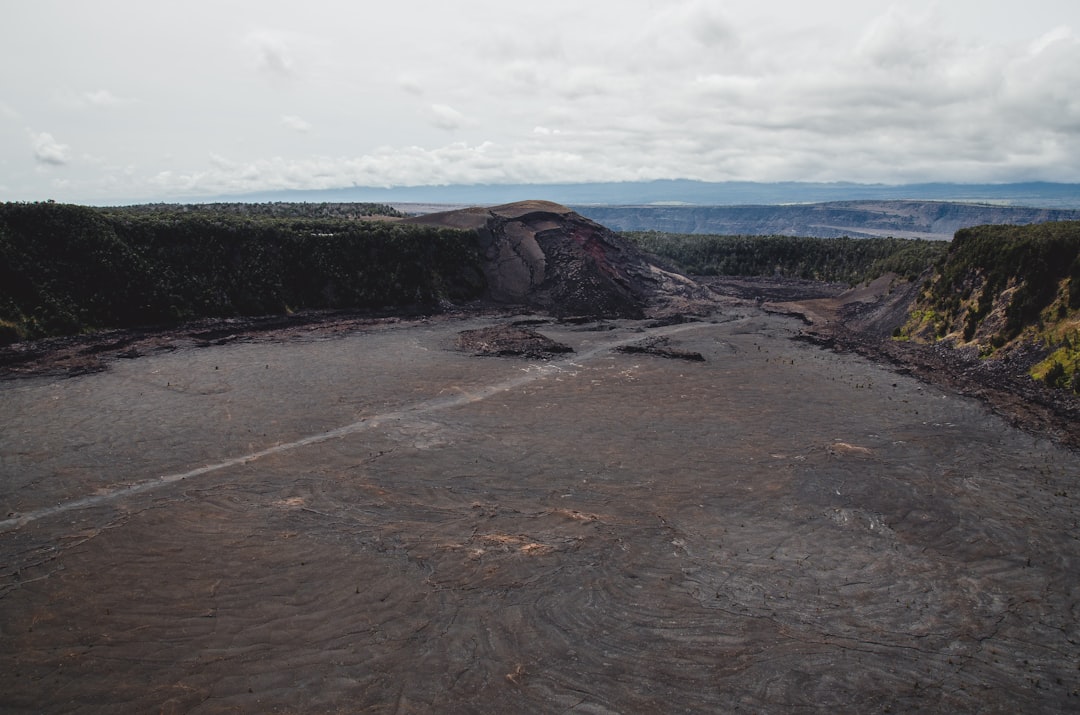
272 53
49 151
897 41
105 98
1041 90
448 118
683 35
411 84
1058 34
292 54
80 100
220 162
295 123
837 90
459 162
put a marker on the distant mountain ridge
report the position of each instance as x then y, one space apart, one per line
858 219
685 191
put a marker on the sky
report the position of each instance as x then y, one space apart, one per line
116 100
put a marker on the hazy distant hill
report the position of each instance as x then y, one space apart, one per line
789 208
681 191
902 219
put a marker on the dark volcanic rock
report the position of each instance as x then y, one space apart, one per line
660 347
545 256
510 341
862 319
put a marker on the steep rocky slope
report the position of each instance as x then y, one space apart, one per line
1010 293
544 256
867 319
998 319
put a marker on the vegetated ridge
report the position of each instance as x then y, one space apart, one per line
580 196
1011 293
834 260
69 269
72 269
275 209
1004 291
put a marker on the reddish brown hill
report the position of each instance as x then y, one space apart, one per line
545 256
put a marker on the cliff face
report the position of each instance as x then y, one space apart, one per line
71 269
1012 293
544 256
902 219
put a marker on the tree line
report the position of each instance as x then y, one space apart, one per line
1001 285
835 260
66 269
275 209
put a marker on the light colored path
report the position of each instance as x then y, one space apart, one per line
534 372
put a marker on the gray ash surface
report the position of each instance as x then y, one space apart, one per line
358 516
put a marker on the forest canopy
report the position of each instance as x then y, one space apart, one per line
67 269
1001 287
839 260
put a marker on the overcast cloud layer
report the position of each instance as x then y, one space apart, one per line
117 99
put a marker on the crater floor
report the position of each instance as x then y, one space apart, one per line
378 521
